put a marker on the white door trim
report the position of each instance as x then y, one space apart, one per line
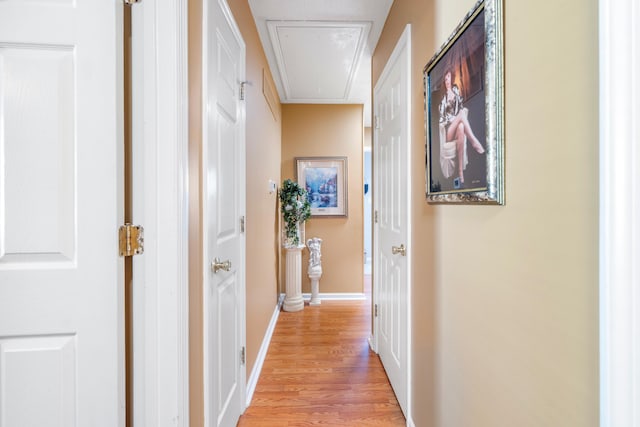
401 52
619 208
160 204
619 213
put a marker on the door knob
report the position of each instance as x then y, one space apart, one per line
220 265
399 250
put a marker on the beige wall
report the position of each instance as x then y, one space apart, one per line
330 130
196 368
368 137
263 164
505 299
263 136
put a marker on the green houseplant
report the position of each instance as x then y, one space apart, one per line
296 209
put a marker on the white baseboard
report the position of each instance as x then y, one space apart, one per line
341 296
262 353
372 344
338 296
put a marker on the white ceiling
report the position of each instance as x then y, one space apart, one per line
319 51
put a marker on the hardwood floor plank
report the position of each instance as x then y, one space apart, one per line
319 371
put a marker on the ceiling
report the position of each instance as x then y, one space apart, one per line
319 51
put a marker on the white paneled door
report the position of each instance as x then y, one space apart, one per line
224 204
61 202
392 189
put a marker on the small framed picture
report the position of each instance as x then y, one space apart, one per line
325 179
463 87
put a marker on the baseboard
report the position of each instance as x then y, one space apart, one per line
371 344
338 296
262 353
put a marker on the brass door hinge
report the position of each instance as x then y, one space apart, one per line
375 310
242 89
131 238
243 356
242 222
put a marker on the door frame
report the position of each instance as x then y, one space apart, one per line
160 204
401 52
619 205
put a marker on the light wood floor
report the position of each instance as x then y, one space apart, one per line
319 371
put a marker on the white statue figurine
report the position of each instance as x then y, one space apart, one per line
314 251
315 268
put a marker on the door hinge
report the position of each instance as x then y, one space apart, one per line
130 2
376 121
243 356
375 310
242 224
375 216
242 88
131 240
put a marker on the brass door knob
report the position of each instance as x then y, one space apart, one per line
217 265
395 250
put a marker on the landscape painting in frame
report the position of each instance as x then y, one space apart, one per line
325 179
463 85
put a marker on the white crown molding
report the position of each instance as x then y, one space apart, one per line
282 79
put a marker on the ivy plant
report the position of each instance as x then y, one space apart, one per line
295 208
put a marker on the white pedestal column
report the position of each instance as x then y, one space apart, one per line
293 297
315 297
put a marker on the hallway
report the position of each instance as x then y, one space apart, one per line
320 371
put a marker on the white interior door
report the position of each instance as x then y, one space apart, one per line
392 189
61 202
224 199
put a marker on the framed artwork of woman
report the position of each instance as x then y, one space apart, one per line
463 111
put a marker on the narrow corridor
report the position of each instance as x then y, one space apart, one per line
320 371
